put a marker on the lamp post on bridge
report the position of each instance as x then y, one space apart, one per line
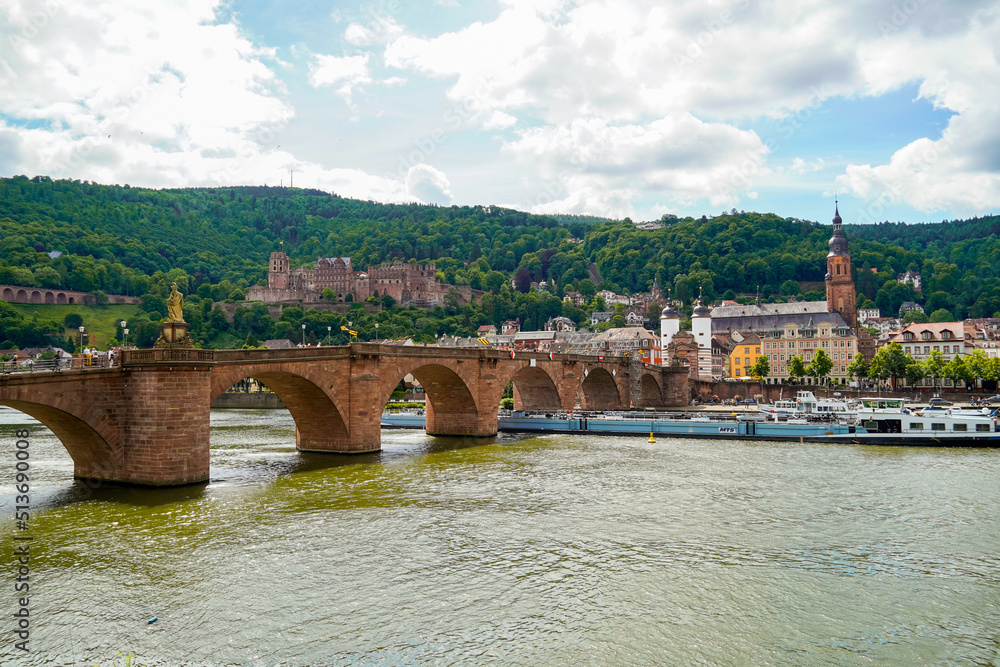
122 323
329 333
125 334
81 330
376 332
303 335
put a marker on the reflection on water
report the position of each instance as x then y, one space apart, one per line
550 550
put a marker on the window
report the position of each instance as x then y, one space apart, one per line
746 350
916 426
908 336
982 427
937 426
945 335
926 335
936 348
961 427
756 350
927 349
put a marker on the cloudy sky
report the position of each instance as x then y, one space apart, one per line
605 107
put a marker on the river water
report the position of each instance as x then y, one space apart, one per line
555 550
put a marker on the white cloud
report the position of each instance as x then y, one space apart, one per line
344 73
628 64
428 184
499 120
157 94
800 166
380 28
680 158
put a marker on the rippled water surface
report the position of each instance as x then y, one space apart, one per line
557 550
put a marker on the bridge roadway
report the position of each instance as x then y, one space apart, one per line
147 420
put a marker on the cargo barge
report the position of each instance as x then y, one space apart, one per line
938 428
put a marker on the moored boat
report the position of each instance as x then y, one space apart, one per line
872 426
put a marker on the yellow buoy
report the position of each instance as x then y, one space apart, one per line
651 440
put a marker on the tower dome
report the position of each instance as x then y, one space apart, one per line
700 310
669 312
838 242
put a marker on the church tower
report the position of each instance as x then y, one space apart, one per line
841 297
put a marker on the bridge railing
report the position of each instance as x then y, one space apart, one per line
77 363
176 355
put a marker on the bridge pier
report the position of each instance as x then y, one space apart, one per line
165 423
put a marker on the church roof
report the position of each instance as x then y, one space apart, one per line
765 309
775 322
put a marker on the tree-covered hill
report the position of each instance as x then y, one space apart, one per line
125 240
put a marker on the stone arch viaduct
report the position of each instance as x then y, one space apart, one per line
52 295
147 421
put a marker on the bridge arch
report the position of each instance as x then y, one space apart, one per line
451 408
95 449
36 297
8 294
650 391
600 391
534 389
319 422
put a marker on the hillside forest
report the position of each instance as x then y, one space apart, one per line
215 243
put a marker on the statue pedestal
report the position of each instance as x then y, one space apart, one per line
174 334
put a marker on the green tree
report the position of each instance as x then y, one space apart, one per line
978 366
761 368
934 367
789 288
73 320
914 371
915 316
858 368
957 371
796 367
890 363
618 319
820 365
941 315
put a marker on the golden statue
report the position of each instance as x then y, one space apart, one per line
175 305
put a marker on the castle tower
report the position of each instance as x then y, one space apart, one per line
277 275
841 297
701 327
670 324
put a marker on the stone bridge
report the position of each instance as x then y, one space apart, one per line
147 421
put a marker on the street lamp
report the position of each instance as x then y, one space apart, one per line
123 332
81 330
303 335
350 325
376 332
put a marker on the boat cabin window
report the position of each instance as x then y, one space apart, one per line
982 427
937 426
961 427
916 426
